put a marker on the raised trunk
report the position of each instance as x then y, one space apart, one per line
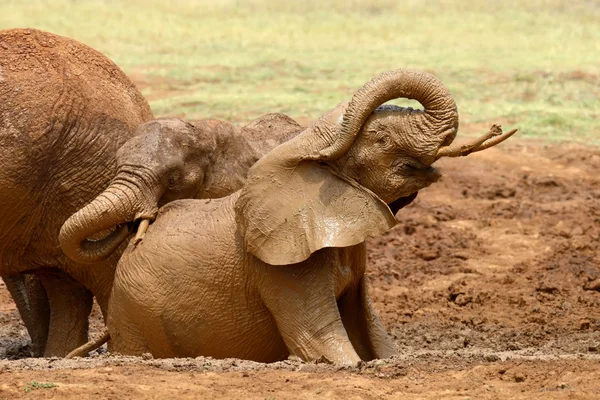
119 204
331 135
440 115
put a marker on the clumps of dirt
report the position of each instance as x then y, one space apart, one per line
14 341
419 248
503 254
493 271
384 368
421 243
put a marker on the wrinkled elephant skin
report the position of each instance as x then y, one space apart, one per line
278 267
65 109
167 160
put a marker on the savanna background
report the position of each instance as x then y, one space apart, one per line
489 283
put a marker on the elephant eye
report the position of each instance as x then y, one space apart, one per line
412 165
384 139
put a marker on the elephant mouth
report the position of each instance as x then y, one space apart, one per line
132 225
431 174
402 202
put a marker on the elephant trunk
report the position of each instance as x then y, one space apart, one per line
119 204
440 115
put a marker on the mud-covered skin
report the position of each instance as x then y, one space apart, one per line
167 160
186 317
194 291
65 109
278 267
494 243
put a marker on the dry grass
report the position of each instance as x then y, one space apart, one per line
534 64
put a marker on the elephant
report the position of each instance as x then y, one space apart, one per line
174 160
169 159
65 109
278 267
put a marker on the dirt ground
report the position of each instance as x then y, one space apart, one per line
490 285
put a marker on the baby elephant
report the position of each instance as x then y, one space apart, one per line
169 159
278 267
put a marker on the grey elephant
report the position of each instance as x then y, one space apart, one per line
65 109
73 115
277 268
169 159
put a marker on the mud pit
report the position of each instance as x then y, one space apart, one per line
490 284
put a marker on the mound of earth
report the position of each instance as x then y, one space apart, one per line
490 285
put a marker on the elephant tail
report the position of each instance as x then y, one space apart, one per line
83 350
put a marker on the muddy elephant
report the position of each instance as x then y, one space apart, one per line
277 268
65 109
169 159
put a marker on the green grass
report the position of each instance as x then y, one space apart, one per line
33 385
530 64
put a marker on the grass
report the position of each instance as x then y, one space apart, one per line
33 385
533 65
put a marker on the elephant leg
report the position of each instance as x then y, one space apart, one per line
32 304
40 313
126 336
306 313
70 307
366 332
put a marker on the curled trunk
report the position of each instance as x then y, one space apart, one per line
440 116
119 204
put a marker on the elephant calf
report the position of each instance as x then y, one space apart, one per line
170 159
277 268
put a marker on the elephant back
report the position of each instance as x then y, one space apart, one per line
46 80
65 109
269 131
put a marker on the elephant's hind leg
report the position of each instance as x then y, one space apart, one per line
367 333
125 337
70 307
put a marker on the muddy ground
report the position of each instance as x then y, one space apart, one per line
490 285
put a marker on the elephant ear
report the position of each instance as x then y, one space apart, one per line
287 212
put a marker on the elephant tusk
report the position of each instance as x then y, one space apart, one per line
493 137
141 231
496 140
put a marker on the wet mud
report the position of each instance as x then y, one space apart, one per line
490 285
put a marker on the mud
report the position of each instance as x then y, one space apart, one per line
490 284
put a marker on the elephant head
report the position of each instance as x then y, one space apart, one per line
330 185
169 159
